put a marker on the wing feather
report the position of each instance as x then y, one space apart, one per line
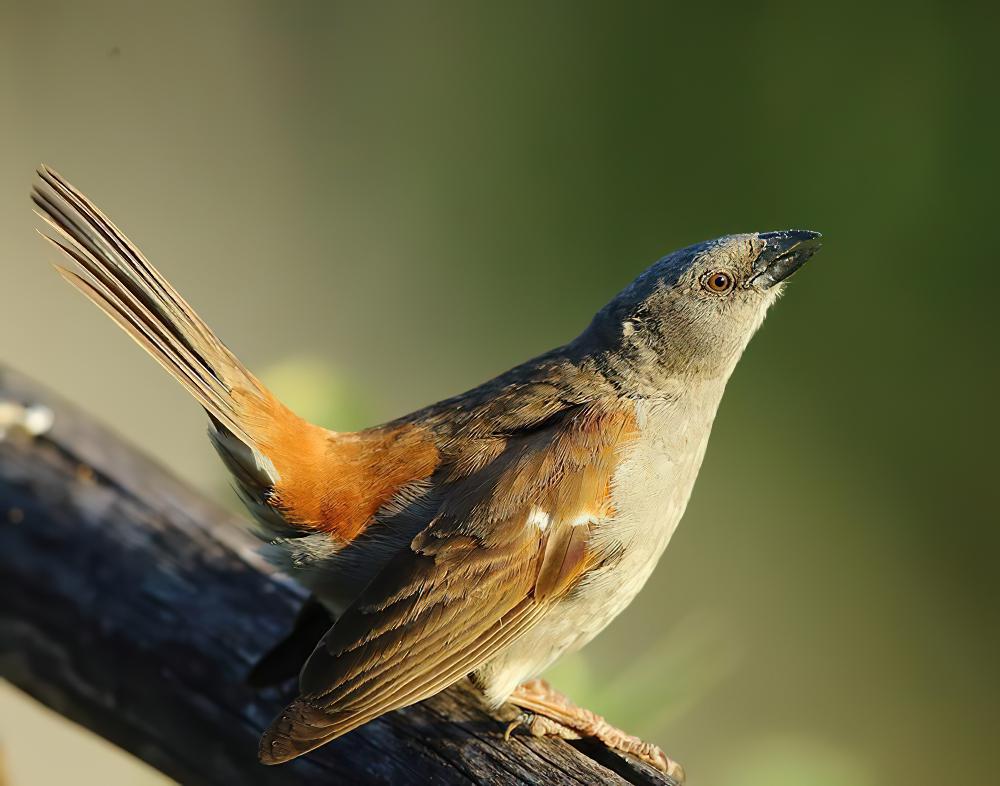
508 540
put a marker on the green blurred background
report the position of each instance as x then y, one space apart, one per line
381 204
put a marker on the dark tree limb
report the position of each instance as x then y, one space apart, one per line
135 607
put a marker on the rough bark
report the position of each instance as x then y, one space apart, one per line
135 607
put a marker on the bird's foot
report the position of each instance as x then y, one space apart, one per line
548 713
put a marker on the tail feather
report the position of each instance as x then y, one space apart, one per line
295 477
247 421
114 274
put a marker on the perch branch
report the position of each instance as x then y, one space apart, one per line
135 607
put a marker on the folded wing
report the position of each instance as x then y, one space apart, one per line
508 539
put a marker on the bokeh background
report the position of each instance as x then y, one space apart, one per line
381 204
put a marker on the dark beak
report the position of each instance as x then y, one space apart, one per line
783 254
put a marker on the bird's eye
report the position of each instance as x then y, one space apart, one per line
719 281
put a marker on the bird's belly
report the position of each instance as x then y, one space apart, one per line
570 624
650 492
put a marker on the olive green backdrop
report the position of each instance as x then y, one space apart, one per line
380 204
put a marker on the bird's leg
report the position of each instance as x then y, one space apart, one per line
550 714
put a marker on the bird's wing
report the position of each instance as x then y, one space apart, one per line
284 661
508 538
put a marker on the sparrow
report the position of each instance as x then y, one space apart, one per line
485 535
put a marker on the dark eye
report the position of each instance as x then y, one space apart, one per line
719 281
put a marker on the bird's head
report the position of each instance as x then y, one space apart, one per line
691 314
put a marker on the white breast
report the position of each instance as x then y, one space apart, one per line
650 491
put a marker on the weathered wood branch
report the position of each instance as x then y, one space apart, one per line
135 607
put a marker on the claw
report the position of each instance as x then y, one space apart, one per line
523 718
547 713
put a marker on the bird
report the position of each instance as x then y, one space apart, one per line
483 536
